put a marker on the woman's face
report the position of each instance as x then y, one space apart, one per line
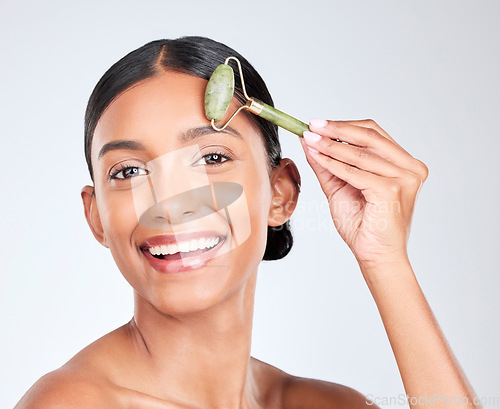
183 209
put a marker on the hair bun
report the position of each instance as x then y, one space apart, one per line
279 241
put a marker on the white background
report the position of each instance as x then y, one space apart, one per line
426 71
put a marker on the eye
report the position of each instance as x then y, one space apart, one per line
213 159
127 172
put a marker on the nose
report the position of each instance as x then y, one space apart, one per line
191 205
182 207
178 209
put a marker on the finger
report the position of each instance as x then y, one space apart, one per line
369 137
370 123
328 182
357 156
360 135
371 185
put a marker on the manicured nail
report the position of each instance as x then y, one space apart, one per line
318 123
311 137
312 150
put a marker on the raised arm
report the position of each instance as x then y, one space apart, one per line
371 184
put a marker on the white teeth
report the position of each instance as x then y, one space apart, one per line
193 245
184 246
202 242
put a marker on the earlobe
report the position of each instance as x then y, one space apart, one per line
285 185
92 214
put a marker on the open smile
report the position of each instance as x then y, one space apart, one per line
189 252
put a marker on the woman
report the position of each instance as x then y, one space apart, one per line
189 213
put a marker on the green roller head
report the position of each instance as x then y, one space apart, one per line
219 92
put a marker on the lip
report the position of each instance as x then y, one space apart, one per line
183 264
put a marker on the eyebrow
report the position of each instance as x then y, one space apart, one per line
184 137
194 133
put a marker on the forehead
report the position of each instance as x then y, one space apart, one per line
159 109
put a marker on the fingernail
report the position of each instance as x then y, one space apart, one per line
311 137
312 150
318 123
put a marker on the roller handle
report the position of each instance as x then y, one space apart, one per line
278 117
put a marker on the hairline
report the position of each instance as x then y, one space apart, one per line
160 70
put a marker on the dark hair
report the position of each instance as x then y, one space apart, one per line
196 56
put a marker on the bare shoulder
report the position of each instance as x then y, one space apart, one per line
285 391
81 383
68 389
302 393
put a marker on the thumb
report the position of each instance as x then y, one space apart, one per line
328 181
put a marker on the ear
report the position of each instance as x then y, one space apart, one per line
92 214
285 186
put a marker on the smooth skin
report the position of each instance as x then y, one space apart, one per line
371 184
188 344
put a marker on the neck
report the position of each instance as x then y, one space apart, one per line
201 359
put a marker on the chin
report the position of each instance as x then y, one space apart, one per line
224 280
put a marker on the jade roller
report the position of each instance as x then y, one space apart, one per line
219 94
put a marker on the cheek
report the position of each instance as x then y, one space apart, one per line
258 194
118 216
119 221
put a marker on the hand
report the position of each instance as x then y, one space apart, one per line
371 184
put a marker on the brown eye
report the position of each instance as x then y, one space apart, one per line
127 172
214 159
